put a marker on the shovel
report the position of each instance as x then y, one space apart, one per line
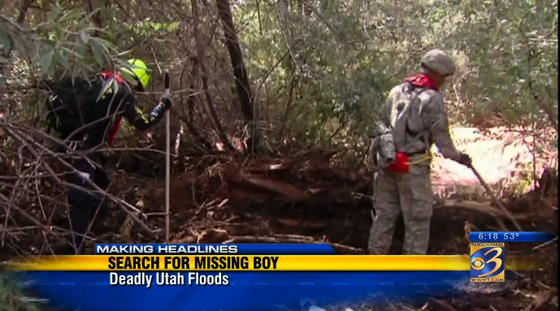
494 198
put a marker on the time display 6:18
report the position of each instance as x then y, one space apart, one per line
526 237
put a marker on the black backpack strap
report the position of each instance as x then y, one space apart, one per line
422 135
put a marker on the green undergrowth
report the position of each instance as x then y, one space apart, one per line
12 297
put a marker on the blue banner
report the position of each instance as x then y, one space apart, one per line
245 291
511 237
211 249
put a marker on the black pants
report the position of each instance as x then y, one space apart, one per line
84 204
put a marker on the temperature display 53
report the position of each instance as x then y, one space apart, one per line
526 237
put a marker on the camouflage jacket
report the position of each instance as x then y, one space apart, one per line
427 121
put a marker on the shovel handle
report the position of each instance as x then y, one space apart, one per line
494 197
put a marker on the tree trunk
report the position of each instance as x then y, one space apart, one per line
239 71
204 78
191 99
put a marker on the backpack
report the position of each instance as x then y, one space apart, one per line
70 103
404 122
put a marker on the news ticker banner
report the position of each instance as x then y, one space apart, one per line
265 263
232 291
249 277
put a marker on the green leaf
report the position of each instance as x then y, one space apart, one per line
107 46
98 52
54 13
5 39
156 26
45 60
18 44
4 60
62 60
78 52
123 64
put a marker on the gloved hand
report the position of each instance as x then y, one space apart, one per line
166 101
464 159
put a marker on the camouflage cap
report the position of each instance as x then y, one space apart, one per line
439 62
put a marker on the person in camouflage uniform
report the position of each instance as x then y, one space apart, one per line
411 192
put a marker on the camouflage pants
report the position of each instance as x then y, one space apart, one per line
410 193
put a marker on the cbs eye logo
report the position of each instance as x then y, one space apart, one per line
487 262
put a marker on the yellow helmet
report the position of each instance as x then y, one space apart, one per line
138 73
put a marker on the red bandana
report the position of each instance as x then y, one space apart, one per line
422 80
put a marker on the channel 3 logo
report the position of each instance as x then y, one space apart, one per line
487 262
